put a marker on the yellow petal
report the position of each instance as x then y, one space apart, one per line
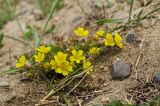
69 68
118 40
18 65
74 52
65 72
80 52
72 58
58 70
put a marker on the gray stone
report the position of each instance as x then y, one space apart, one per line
120 70
130 38
156 78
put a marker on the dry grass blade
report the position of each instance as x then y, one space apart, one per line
62 85
76 85
23 42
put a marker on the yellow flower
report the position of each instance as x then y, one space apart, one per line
39 57
109 40
54 64
100 33
60 57
21 61
118 40
44 49
81 32
86 65
77 56
72 64
46 65
94 50
63 68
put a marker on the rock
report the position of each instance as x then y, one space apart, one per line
120 70
156 78
4 84
130 38
101 67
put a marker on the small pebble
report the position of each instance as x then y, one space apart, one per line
4 84
101 67
120 70
156 78
105 100
130 38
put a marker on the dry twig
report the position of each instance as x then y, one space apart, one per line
139 56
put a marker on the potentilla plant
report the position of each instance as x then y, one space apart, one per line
57 62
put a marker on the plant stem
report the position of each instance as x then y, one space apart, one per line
150 13
54 5
18 40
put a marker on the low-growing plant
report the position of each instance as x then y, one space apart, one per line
63 63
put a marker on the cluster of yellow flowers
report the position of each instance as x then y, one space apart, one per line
21 61
65 62
42 50
112 41
60 63
109 39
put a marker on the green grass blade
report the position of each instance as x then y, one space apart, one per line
54 5
107 21
150 13
9 71
1 38
148 3
139 14
130 11
23 42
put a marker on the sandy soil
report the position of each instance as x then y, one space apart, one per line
17 92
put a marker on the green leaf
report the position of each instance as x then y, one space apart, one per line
1 39
115 103
98 104
130 11
148 3
107 21
28 32
129 2
139 14
9 71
